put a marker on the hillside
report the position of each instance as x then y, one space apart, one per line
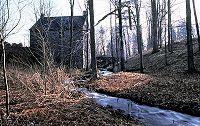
177 61
169 87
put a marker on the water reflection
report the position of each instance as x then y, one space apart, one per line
151 116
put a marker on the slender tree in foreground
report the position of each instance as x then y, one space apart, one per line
166 62
154 26
92 39
87 40
5 19
111 37
40 32
170 44
139 34
71 32
116 38
190 56
5 73
121 37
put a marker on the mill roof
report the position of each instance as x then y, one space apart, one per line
56 23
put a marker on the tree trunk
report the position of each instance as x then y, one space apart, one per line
172 41
5 19
92 39
125 42
139 40
129 14
154 26
128 42
169 26
116 41
62 45
111 37
149 41
139 36
5 74
87 43
166 62
159 34
196 22
158 22
190 56
71 33
44 67
121 38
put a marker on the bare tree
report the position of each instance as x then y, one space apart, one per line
87 37
127 17
62 42
71 31
128 41
41 48
149 42
101 44
117 47
137 5
170 42
43 7
92 39
165 39
111 37
121 37
161 17
154 26
190 56
5 31
5 73
196 22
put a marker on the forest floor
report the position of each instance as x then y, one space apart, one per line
165 86
30 107
170 87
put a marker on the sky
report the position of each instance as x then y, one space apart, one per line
101 8
61 8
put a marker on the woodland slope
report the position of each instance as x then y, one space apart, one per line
166 86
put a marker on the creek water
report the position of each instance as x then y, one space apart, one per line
150 116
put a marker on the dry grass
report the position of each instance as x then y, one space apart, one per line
166 92
34 81
62 105
123 81
164 86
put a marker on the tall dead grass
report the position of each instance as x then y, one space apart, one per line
27 93
56 80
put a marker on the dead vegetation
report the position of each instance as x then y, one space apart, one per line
63 104
123 81
169 87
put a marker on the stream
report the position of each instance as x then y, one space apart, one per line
150 116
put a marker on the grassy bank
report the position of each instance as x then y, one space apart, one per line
165 86
151 90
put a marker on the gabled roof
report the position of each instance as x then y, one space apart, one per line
56 23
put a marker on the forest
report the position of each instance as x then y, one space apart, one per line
142 69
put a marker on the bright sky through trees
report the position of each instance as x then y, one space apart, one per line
101 8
